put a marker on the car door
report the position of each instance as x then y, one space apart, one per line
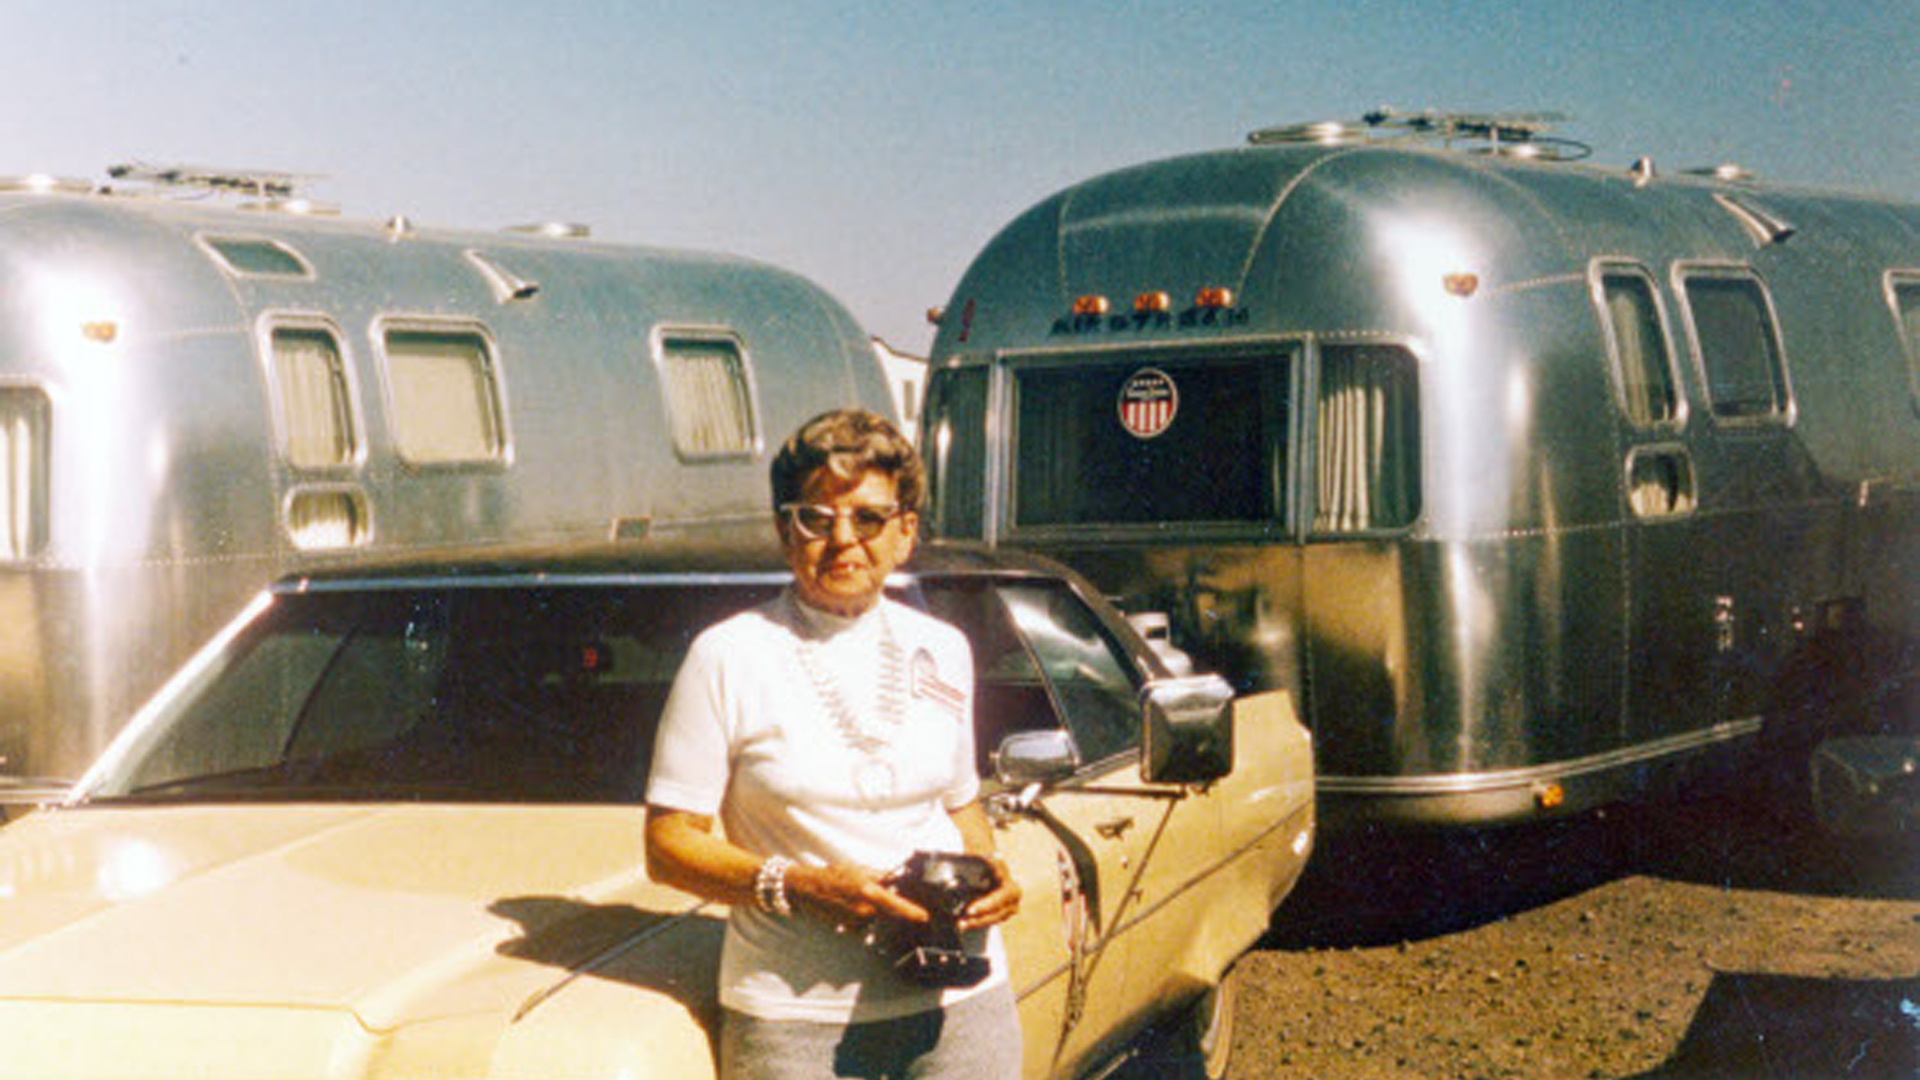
1087 850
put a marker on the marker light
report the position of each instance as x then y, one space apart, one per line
1214 298
1149 302
1090 305
1461 285
1549 796
103 331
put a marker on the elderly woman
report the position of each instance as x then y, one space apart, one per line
830 732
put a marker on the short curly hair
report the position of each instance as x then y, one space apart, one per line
848 443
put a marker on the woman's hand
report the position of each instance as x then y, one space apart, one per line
848 895
997 906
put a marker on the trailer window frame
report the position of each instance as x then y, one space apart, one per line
1712 369
26 472
346 411
703 435
1278 406
231 251
1643 415
489 442
1903 289
1323 524
1659 481
957 422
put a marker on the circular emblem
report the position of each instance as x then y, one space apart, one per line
1148 401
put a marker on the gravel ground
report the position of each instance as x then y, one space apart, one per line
1717 937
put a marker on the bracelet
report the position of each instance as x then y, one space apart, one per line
770 886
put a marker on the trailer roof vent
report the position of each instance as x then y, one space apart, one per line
1316 133
507 286
1765 226
43 184
1728 171
554 230
296 207
1519 135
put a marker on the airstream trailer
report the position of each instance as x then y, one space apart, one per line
1538 483
195 399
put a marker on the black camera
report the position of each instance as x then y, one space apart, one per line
931 953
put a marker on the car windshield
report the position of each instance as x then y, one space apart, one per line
464 693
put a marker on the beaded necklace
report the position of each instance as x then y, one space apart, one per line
876 735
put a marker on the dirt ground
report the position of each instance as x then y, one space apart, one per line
1712 938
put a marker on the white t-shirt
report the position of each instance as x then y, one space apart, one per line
751 733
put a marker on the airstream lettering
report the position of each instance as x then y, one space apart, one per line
195 399
1537 482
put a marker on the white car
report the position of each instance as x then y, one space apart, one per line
387 824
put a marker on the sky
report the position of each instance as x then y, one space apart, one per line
875 147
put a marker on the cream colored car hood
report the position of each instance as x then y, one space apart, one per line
327 925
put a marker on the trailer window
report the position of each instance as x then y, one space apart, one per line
316 413
1906 304
24 420
1148 442
709 398
1637 337
446 397
1660 481
246 257
1366 439
955 447
1738 346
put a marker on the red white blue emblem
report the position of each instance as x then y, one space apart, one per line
1148 402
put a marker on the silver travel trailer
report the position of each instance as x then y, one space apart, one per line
196 399
1539 483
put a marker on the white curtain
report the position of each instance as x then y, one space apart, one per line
1364 443
445 407
707 404
313 399
23 472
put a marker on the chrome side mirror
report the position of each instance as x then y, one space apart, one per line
1035 757
1867 786
1189 730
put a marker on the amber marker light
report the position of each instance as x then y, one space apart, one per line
1215 298
1090 305
1461 285
1149 302
102 332
1549 796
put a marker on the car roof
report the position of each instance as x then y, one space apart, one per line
628 561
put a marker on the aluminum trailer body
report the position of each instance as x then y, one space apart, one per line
1538 483
196 400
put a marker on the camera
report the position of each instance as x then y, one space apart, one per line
931 953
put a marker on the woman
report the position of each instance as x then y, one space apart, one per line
830 732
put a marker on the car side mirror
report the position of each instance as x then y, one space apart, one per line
1035 757
1189 729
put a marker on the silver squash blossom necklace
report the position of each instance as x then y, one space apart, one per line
889 712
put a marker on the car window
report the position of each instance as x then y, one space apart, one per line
475 694
1095 690
1041 662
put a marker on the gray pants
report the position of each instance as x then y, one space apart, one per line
978 1039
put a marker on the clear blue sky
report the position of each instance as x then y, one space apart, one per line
875 146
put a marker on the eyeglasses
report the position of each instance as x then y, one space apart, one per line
816 522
